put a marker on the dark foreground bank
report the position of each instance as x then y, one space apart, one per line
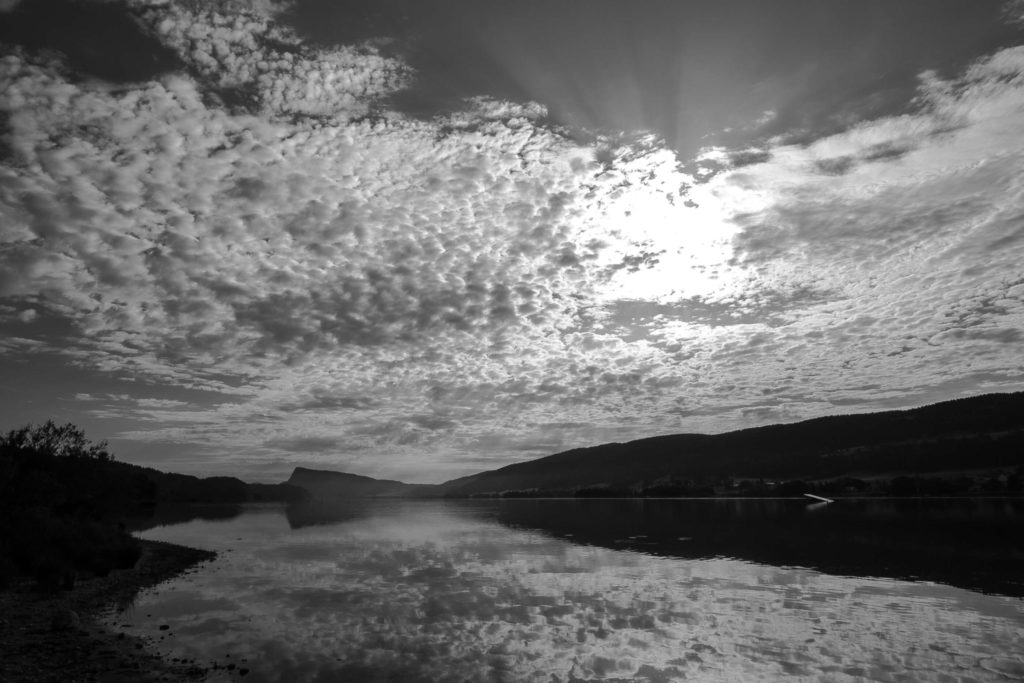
57 637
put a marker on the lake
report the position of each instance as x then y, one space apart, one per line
612 590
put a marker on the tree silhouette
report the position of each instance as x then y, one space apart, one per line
49 438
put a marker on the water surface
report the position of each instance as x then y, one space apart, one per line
569 590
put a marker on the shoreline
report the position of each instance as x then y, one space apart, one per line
60 637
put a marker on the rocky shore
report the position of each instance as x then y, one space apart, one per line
58 637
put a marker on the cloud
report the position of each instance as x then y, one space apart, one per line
257 64
260 225
16 344
327 401
893 218
161 403
307 444
1013 11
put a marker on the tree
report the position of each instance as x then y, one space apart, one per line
65 441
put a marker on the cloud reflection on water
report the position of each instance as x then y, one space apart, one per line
425 591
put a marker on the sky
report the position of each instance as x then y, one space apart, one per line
418 239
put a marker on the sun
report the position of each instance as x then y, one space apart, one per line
675 247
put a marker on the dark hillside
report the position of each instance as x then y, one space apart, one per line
964 434
184 488
325 485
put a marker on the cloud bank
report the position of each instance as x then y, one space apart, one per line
355 288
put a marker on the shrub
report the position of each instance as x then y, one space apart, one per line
63 441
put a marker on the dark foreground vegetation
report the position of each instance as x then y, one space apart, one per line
64 501
66 556
59 497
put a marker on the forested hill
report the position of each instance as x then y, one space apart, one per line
981 432
326 484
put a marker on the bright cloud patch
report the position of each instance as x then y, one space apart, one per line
422 299
910 224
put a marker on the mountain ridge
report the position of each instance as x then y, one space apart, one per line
974 433
333 484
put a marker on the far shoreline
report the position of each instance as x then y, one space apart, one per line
835 498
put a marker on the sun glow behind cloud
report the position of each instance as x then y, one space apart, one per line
688 244
343 285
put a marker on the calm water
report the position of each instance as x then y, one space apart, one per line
600 590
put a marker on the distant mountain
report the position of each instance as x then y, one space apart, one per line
964 434
970 434
326 484
170 487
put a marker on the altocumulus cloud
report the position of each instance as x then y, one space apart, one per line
912 225
292 240
389 294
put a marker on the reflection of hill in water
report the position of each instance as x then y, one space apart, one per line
178 513
969 544
316 512
299 515
972 544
